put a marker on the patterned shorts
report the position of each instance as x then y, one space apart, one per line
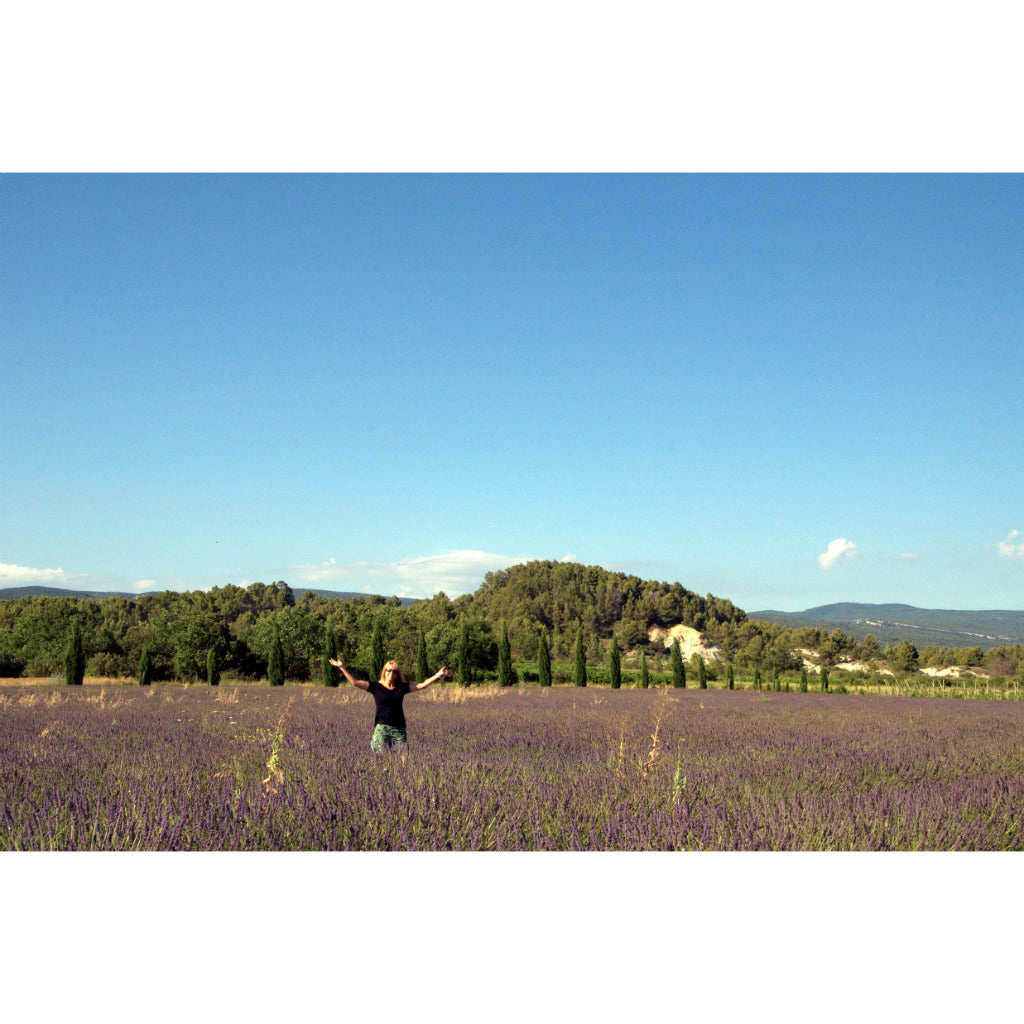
386 736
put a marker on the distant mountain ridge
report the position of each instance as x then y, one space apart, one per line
17 593
923 627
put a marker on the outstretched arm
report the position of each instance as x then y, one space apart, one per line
441 673
360 684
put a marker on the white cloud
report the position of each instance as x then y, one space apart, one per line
142 586
911 556
569 557
454 572
837 549
1008 549
20 575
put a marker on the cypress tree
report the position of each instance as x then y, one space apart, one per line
615 664
146 667
543 659
645 675
504 658
776 684
824 679
757 677
678 668
275 667
803 679
74 659
579 674
730 677
464 666
212 668
327 670
422 669
377 655
702 673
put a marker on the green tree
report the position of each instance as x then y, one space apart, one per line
377 657
328 673
464 663
730 678
146 667
757 677
903 656
702 673
615 664
824 679
543 658
504 658
678 668
275 666
74 659
803 679
579 674
422 667
776 682
645 674
212 668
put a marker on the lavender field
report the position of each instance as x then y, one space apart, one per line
246 767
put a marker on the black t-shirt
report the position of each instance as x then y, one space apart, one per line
389 704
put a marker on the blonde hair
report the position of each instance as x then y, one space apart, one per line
384 671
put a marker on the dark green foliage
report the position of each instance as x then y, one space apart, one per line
422 668
504 658
645 675
678 668
146 667
463 656
74 659
378 658
730 678
615 665
328 673
275 666
757 678
543 659
579 669
212 668
803 679
776 682
702 673
824 679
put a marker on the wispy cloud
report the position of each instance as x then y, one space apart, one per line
910 556
1008 548
15 575
454 572
837 549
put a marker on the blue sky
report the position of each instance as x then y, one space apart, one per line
785 390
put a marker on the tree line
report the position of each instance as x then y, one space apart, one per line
570 614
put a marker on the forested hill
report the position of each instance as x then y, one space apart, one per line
564 595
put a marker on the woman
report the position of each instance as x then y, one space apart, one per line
388 693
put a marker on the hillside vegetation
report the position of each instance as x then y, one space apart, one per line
564 602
